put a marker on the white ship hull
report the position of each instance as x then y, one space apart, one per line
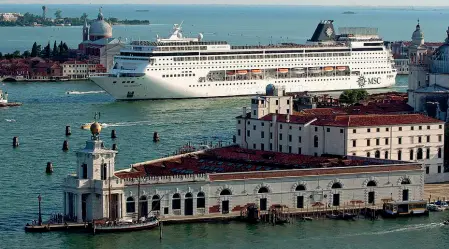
151 87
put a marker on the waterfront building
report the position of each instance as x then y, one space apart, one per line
226 180
9 17
98 44
428 81
272 126
75 70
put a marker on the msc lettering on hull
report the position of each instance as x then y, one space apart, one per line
362 81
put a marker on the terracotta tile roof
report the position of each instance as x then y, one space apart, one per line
358 120
235 159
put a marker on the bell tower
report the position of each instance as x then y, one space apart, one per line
85 31
94 161
418 65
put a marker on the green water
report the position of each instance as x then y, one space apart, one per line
40 125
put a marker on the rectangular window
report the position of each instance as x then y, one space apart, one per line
300 202
280 136
368 130
420 127
368 142
299 139
428 139
377 141
316 128
280 126
419 140
262 134
399 155
262 146
254 112
412 128
271 146
411 154
254 127
428 153
271 135
289 149
439 152
328 129
378 129
239 121
254 146
428 127
354 131
439 168
280 148
277 102
354 143
238 132
386 141
299 150
399 140
248 133
440 126
387 129
400 128
427 170
439 138
289 138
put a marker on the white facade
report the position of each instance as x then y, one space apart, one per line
75 70
308 135
86 193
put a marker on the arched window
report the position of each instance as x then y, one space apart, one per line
155 203
300 187
315 141
263 190
189 195
176 202
411 154
225 192
377 154
143 206
399 155
201 200
405 181
371 184
386 154
368 154
419 154
336 185
143 198
130 205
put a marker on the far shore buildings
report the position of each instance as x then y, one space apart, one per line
226 180
98 44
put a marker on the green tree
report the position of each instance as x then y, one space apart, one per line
83 17
47 51
16 54
58 14
34 50
26 54
65 47
353 96
1 55
55 50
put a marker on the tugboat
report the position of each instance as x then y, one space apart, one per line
4 100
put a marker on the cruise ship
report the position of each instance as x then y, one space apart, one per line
179 67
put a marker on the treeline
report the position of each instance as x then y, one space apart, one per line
58 52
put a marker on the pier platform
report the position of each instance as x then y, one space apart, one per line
58 227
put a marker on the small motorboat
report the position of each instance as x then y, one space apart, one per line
86 126
446 222
125 225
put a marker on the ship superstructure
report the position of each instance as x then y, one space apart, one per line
179 67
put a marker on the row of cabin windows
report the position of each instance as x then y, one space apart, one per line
412 128
419 154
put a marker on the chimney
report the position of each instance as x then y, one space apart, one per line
288 118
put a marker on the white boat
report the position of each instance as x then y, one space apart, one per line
298 70
125 225
180 67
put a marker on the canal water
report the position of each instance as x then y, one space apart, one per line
40 125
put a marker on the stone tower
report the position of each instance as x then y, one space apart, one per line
85 31
418 65
94 192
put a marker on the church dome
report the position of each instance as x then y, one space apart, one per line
418 36
100 28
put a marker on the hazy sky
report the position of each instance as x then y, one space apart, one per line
289 2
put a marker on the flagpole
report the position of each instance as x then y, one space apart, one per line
40 213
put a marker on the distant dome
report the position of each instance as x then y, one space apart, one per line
100 28
270 90
440 60
418 36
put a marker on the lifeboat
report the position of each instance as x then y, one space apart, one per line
282 70
328 69
256 71
230 73
341 68
298 70
242 72
315 70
